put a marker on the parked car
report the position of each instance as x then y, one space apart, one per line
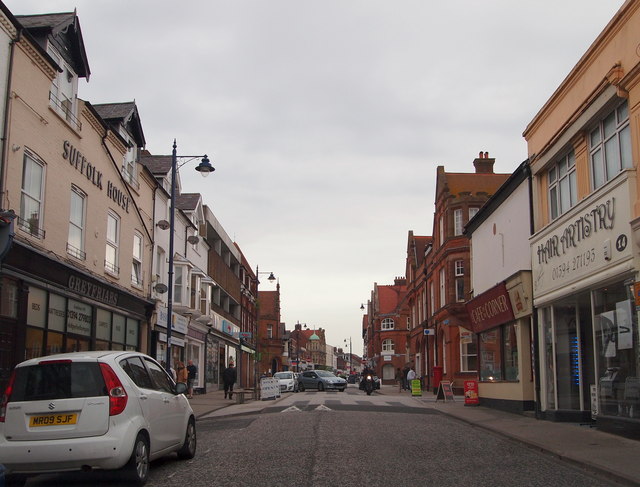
92 410
288 382
321 380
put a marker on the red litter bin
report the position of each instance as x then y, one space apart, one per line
471 397
437 377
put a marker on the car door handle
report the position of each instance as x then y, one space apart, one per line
143 398
165 399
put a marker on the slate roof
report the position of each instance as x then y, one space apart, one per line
158 165
56 25
125 113
187 201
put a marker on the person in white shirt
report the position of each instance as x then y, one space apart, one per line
410 376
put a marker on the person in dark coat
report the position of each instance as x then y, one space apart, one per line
229 378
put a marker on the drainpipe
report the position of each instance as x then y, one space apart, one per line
534 311
5 128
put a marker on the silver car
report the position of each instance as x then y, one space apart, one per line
92 410
321 380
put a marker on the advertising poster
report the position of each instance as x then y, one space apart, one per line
607 325
623 320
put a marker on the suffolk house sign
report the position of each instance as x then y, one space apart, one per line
90 171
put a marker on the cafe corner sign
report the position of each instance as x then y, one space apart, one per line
490 309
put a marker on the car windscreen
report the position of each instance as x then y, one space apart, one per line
283 375
58 380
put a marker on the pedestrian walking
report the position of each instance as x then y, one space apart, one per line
229 378
399 378
192 370
405 371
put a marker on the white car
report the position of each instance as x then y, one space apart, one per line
288 382
92 410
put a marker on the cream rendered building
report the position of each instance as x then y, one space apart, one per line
584 149
78 274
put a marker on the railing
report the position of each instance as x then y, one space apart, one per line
75 252
32 226
65 109
111 268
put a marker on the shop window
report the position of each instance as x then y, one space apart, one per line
77 212
617 350
136 266
113 243
33 345
132 333
103 325
37 307
387 324
9 298
548 371
31 197
388 346
610 146
118 331
55 343
563 192
499 354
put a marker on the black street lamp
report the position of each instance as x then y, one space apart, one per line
350 356
203 168
271 277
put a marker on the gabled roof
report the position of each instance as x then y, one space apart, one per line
56 25
473 183
416 246
125 113
389 298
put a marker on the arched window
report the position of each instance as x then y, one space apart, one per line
387 346
387 324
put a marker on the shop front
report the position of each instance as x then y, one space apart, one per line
49 307
501 318
179 325
584 278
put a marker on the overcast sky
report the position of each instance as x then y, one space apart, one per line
326 120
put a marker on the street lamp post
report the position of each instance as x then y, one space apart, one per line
350 356
203 168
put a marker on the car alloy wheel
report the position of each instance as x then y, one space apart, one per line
188 449
320 387
137 468
301 387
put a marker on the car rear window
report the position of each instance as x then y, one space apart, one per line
58 381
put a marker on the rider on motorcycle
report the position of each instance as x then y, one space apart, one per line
367 371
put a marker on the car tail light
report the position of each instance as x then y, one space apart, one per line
117 395
5 397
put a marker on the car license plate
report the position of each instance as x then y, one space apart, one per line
53 419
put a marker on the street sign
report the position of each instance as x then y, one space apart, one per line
246 335
429 331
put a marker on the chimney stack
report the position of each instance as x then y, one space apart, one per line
484 164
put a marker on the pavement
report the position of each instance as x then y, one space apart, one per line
615 457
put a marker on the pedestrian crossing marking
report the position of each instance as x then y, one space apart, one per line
291 409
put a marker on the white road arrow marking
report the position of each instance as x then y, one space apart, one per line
290 409
322 407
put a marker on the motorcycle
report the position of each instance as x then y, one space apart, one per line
367 384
